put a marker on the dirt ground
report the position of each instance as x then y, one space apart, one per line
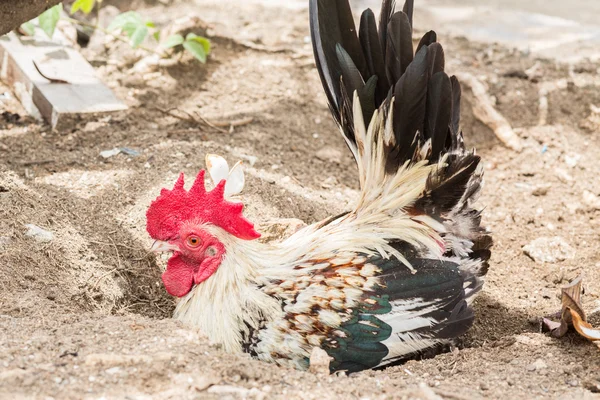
84 315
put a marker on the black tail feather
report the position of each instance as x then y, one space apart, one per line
387 10
424 107
399 49
374 54
408 10
439 103
409 107
427 39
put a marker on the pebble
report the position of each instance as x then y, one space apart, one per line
572 160
537 365
4 242
93 126
563 175
329 154
549 250
591 200
541 190
113 370
39 234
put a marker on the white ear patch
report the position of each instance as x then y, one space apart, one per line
219 169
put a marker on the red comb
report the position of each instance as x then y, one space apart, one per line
172 207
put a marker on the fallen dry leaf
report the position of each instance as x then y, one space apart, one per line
572 313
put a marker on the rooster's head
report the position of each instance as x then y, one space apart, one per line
189 222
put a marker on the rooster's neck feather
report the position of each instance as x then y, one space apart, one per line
229 304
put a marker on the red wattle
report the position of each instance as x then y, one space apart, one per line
179 277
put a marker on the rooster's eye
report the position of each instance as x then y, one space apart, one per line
193 241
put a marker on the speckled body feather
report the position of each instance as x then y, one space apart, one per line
396 275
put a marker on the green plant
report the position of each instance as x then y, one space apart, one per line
198 46
130 23
49 18
86 6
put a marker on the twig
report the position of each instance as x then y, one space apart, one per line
101 278
35 162
170 113
486 113
200 120
52 80
207 122
116 251
260 47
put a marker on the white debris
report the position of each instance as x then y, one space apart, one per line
572 159
110 153
113 370
549 250
39 234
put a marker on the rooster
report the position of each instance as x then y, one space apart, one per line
392 278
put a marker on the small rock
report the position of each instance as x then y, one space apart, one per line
549 250
109 153
39 234
319 361
4 242
541 190
563 175
329 154
591 200
574 207
251 159
113 370
93 126
125 150
537 365
574 383
572 159
329 182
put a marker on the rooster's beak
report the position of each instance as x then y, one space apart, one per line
160 246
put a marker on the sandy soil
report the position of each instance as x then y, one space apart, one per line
85 315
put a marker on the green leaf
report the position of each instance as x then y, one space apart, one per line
200 39
127 21
28 28
196 49
173 41
156 36
150 24
138 36
86 6
49 18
